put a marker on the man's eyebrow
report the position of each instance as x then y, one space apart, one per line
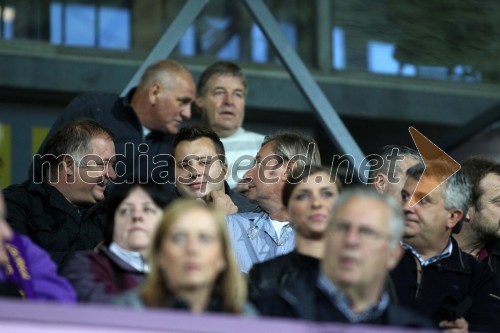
195 157
185 99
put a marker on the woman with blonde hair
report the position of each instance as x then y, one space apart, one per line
192 264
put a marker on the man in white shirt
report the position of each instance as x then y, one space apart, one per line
221 95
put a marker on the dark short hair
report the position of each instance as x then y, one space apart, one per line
73 139
192 133
476 168
218 69
160 196
299 175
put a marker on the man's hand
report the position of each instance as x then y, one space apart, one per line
459 325
222 201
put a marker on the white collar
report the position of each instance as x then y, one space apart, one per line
134 259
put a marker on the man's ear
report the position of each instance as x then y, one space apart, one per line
454 216
153 92
288 169
199 102
470 214
380 182
225 169
68 165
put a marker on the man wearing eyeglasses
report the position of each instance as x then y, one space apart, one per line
434 276
64 212
362 245
260 236
201 170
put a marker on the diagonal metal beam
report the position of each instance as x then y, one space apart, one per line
304 80
170 38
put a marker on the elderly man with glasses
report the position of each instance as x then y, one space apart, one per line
362 245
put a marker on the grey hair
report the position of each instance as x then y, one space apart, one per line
456 194
379 161
396 221
294 146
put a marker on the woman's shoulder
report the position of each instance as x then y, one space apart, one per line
129 299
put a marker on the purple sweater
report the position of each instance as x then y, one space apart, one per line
31 269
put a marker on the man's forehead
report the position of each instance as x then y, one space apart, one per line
403 165
100 144
428 186
490 181
267 149
362 211
198 146
215 79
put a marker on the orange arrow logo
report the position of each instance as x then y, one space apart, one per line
439 166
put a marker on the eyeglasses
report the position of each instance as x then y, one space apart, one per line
365 234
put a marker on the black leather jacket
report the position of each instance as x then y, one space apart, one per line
42 213
277 272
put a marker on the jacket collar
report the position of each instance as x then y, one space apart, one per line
456 262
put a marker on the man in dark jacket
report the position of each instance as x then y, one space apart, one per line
480 235
63 212
435 277
201 170
362 245
143 122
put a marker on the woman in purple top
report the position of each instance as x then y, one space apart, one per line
26 270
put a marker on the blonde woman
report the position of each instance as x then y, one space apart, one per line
308 195
192 264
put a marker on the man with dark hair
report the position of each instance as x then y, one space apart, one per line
143 122
480 234
221 95
434 276
63 213
388 170
201 170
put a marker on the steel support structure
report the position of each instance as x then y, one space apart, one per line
327 115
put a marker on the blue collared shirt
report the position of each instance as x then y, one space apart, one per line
254 238
424 262
341 302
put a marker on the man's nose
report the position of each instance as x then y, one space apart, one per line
352 236
110 171
407 205
198 170
250 174
186 111
228 99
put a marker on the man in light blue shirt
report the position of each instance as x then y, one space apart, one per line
261 236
